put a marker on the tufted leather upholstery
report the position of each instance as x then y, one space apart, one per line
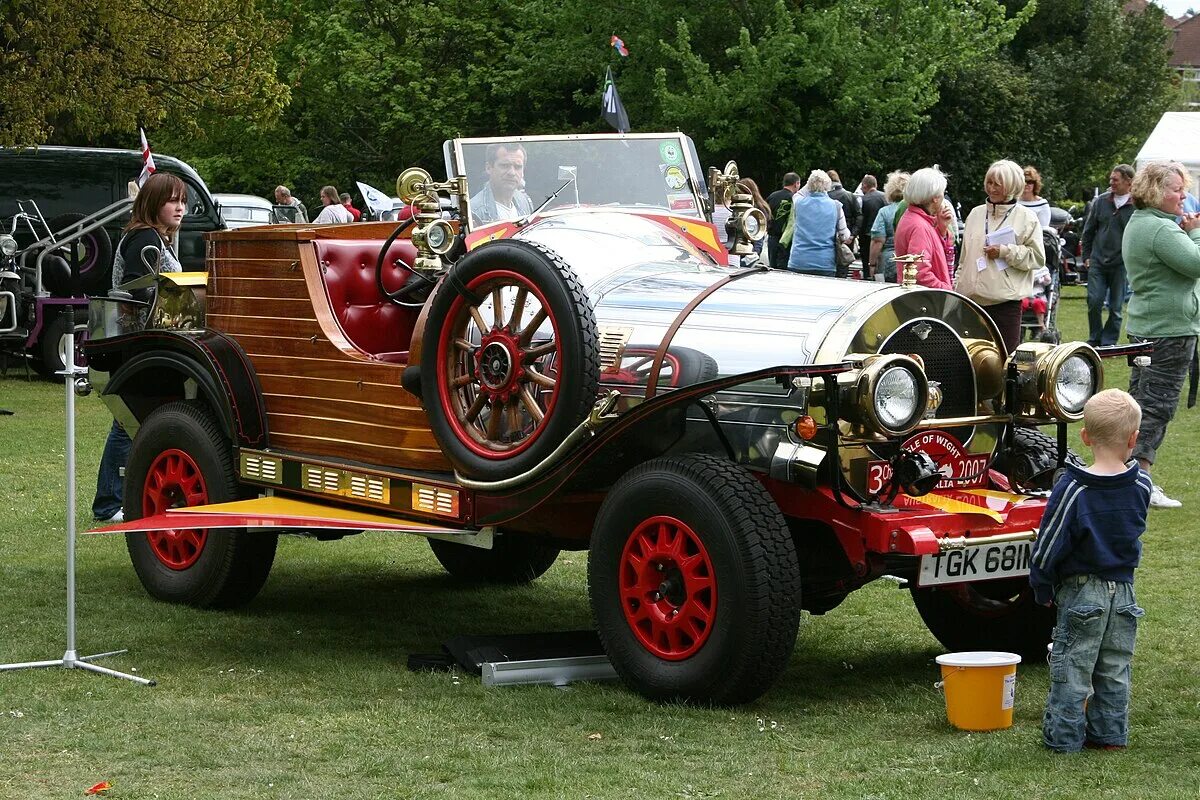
371 322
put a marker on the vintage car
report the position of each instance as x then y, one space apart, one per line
731 444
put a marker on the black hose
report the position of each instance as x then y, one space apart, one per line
383 252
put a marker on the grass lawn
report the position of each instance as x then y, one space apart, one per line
305 694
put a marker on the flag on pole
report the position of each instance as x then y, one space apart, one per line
377 201
619 45
611 108
147 160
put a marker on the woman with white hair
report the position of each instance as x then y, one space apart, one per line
818 222
1001 250
923 228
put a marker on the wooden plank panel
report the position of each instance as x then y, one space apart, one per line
258 307
256 246
339 409
380 433
264 326
350 391
239 286
262 268
294 347
337 367
399 458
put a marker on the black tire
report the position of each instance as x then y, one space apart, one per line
988 615
50 347
95 252
512 559
682 366
1032 462
503 405
730 535
180 444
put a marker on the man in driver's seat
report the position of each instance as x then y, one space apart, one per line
503 196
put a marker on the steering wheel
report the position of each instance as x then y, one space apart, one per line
415 282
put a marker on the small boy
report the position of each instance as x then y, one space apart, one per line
1084 559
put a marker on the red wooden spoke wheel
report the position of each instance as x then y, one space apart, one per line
173 481
498 364
510 358
668 588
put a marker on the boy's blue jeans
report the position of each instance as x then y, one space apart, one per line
1093 649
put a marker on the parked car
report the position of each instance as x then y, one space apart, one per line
61 214
245 210
731 444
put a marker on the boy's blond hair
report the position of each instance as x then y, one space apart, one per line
1110 417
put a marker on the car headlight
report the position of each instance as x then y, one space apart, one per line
754 224
8 245
893 395
1056 381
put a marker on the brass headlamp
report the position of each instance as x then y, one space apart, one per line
1056 380
891 394
749 223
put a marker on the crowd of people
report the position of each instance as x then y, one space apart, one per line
1138 245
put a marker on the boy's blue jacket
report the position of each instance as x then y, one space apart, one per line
1092 526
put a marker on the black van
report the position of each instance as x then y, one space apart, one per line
83 180
68 184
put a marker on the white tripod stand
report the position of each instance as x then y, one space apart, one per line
70 660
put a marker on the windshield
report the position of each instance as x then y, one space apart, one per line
512 177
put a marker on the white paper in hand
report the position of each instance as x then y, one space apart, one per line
1005 235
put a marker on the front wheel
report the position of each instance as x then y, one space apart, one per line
987 615
180 458
694 581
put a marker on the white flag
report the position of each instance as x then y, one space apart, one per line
147 160
377 201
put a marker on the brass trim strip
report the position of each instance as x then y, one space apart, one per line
962 542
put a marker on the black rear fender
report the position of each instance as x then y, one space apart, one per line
152 368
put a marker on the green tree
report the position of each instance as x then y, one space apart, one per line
78 70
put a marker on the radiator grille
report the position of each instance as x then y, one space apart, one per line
946 361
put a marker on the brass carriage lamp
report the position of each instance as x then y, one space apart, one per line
433 236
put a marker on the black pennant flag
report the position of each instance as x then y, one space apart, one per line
611 108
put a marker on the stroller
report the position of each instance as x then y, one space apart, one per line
1039 312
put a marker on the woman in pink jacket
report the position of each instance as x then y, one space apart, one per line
923 227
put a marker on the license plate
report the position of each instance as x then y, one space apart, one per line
983 563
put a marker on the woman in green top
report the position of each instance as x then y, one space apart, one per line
1162 259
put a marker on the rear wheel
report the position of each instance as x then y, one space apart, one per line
694 581
180 458
988 615
512 559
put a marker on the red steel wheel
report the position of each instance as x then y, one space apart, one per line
174 481
668 588
181 457
510 358
673 535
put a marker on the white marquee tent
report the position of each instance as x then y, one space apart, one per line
1175 138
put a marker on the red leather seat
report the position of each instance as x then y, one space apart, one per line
370 321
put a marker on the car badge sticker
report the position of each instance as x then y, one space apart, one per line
669 151
674 177
922 330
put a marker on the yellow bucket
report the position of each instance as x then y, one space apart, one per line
980 687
